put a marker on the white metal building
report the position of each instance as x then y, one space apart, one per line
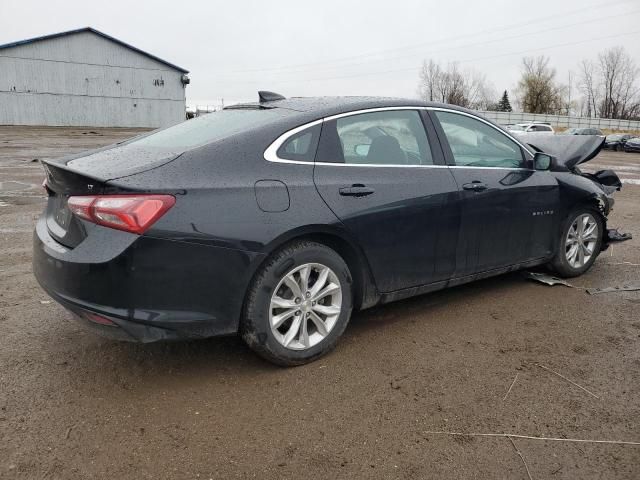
87 78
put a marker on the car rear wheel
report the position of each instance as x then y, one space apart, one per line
580 243
298 305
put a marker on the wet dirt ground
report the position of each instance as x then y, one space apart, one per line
474 359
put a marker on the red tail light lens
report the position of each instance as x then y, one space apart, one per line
131 213
95 318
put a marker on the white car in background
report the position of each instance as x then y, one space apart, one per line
538 128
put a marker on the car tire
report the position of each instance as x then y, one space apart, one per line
618 148
567 262
271 288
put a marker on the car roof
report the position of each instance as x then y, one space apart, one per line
319 107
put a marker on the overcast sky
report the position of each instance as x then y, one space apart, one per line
234 48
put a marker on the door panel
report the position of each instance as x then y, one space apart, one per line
384 177
510 221
507 209
407 227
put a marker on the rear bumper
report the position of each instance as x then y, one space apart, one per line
149 288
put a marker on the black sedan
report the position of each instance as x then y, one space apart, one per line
277 219
632 145
616 141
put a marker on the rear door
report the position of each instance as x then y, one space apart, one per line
508 208
384 177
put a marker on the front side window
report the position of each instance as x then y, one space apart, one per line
378 138
475 144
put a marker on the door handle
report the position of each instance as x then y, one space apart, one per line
356 190
476 186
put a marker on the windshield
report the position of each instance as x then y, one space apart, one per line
209 128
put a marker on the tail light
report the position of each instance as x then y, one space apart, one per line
100 319
131 213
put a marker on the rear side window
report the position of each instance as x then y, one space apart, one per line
301 146
473 143
209 128
393 137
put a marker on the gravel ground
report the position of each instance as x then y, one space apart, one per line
469 359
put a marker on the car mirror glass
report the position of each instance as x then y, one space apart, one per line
542 161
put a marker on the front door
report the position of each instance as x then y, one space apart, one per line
508 208
384 179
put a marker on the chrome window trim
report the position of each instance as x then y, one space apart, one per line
378 165
271 153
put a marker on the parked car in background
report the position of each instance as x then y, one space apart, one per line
632 145
277 219
539 128
582 131
616 141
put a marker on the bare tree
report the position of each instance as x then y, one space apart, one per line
429 78
451 85
619 80
590 88
538 91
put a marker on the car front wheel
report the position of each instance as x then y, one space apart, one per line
298 305
580 243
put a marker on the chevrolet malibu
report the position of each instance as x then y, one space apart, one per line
276 220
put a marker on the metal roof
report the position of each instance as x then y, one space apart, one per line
97 32
327 106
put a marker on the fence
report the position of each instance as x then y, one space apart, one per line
504 118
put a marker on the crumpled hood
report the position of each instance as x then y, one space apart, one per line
570 150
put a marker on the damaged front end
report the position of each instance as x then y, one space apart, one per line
569 152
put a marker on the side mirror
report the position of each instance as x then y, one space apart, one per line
362 150
543 161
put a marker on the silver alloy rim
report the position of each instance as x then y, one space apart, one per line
305 306
581 240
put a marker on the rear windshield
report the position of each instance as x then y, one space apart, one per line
209 128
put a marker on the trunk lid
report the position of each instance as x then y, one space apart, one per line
88 174
116 161
60 185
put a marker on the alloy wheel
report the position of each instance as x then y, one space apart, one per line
305 306
581 240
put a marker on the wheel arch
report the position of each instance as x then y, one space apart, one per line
591 201
364 289
578 191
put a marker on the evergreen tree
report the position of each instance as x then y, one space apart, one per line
504 105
